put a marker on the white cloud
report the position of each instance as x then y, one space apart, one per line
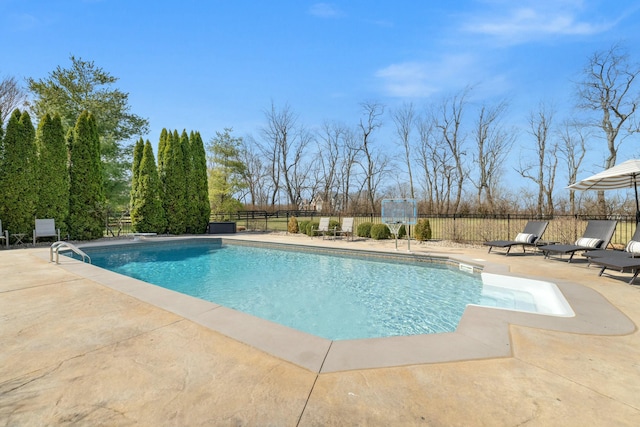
420 79
409 79
325 10
23 22
533 20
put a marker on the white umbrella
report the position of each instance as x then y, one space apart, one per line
624 175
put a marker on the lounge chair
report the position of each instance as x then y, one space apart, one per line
597 235
45 228
530 236
323 227
346 228
4 235
619 263
631 250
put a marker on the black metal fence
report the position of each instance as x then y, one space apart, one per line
459 228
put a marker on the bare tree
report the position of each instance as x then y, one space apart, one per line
608 89
12 96
448 120
297 169
545 163
426 161
284 144
437 166
271 151
493 144
404 118
374 162
255 174
347 178
331 147
572 150
551 166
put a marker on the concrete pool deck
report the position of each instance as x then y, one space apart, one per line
77 352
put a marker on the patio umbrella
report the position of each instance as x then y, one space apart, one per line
624 175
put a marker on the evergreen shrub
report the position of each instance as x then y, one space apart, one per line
302 227
17 174
380 232
334 224
147 214
52 175
402 232
312 228
292 226
423 230
86 192
364 229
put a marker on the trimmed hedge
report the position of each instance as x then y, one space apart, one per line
364 229
423 230
380 232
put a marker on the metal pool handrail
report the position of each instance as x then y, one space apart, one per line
62 245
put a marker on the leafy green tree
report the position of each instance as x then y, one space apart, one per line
86 87
225 173
147 214
199 182
52 174
17 174
86 197
174 184
138 151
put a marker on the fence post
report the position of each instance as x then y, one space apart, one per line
454 228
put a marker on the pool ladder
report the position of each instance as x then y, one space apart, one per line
66 246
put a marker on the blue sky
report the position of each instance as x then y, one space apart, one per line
207 65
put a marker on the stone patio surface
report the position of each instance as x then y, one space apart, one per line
74 351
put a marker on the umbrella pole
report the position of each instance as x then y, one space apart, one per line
635 187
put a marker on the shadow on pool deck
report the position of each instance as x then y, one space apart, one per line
76 351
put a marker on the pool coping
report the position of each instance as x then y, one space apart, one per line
482 333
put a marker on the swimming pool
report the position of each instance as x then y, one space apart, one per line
335 297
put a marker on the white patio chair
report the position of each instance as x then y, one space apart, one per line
45 228
323 227
4 235
346 228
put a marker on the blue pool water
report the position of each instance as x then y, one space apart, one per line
335 297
